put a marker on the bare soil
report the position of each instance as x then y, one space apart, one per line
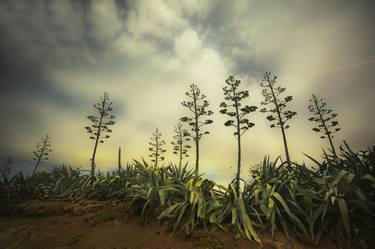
102 225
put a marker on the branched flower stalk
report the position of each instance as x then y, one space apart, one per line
42 151
325 118
180 146
238 115
99 129
198 106
278 115
156 148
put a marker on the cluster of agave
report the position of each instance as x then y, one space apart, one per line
335 200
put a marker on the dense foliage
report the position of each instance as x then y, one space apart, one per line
335 200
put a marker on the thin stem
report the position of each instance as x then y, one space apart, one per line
97 137
41 154
324 126
196 134
156 148
238 127
180 144
281 124
119 159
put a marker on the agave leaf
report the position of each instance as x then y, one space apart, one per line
144 208
182 212
298 208
349 177
167 213
345 215
273 222
284 225
200 208
271 204
289 212
368 177
162 196
234 215
338 177
192 197
149 193
360 195
312 220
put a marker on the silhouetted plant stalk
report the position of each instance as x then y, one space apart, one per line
180 147
119 165
325 117
237 113
156 148
5 168
198 106
99 128
43 148
278 115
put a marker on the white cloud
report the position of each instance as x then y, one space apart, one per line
154 18
104 20
133 46
67 20
188 46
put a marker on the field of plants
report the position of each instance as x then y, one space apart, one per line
336 200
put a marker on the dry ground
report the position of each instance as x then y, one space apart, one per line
101 225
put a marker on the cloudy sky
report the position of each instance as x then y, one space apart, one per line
58 57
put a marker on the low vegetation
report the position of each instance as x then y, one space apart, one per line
336 200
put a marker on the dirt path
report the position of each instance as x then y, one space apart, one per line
98 225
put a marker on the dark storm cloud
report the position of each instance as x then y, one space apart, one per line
37 36
23 84
30 47
40 36
22 77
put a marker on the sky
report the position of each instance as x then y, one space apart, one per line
58 57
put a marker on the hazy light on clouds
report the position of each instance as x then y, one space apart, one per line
147 53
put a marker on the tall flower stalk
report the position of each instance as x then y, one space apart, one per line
238 112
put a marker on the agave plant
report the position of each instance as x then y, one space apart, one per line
65 180
16 190
179 174
233 207
273 199
143 195
306 204
192 204
348 184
